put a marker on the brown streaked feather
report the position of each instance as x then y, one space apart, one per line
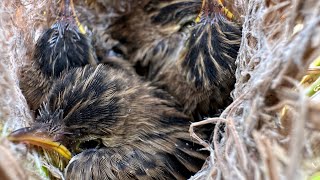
62 47
193 60
34 86
129 162
58 49
151 21
144 134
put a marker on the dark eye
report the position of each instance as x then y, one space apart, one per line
186 25
116 51
89 144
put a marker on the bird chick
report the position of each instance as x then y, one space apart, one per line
63 46
115 126
189 54
97 15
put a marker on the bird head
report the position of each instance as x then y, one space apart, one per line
209 57
64 45
80 109
45 137
113 125
51 137
52 134
201 39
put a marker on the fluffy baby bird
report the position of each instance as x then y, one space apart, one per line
63 46
189 54
115 126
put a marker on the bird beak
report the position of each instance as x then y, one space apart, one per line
67 10
38 138
206 6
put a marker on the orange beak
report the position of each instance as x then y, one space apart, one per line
38 138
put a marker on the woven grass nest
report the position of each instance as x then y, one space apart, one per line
273 127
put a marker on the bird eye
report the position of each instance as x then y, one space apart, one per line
88 144
116 51
186 25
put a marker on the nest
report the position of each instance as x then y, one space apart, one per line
272 127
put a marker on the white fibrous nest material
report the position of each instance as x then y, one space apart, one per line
272 129
21 22
280 40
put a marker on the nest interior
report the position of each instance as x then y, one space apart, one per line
280 40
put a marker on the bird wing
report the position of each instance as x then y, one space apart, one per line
129 162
